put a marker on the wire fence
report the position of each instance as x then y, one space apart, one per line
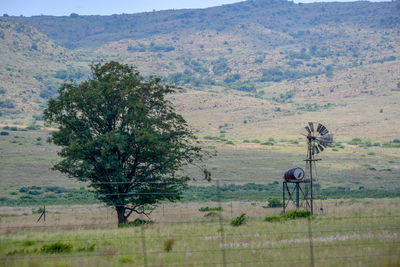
184 235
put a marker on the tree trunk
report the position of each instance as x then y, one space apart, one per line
121 214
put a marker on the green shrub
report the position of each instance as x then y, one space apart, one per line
274 218
134 223
168 244
28 243
355 141
203 209
267 143
274 202
57 247
211 214
89 247
239 220
37 211
4 133
230 143
125 260
296 214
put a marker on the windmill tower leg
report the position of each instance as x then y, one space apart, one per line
297 196
283 197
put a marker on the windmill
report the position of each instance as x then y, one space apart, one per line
318 139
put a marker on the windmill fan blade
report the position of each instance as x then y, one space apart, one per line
322 130
321 147
313 150
316 149
311 126
319 127
308 129
326 139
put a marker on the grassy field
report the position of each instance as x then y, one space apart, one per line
349 233
26 159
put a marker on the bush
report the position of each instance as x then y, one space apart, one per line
4 133
274 218
28 243
57 247
211 214
355 141
89 247
220 66
125 260
136 222
274 202
203 209
239 220
168 244
268 143
296 214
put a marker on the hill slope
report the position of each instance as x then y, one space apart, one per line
258 66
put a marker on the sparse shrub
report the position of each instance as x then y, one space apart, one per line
274 202
371 153
125 260
267 143
4 133
33 127
211 214
203 209
37 211
355 141
274 218
297 214
246 141
28 243
230 143
57 247
255 141
134 223
239 220
17 251
89 247
168 244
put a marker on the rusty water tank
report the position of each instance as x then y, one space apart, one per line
294 174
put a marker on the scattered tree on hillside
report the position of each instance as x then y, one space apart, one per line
120 134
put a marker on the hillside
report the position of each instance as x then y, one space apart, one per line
257 66
279 15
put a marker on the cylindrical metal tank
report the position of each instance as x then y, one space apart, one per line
294 174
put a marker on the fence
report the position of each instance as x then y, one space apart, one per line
344 232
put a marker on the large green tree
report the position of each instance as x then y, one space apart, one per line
118 132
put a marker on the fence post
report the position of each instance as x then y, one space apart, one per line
221 225
143 242
311 242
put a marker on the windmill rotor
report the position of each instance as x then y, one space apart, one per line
318 137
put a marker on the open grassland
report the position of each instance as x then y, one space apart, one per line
348 233
351 166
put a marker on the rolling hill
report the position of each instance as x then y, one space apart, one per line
253 74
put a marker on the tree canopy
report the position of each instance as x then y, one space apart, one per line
118 132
